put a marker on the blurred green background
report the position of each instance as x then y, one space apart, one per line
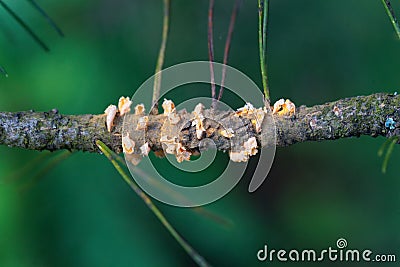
81 213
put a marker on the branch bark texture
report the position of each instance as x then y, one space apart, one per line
373 115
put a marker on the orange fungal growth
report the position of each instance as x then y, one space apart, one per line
139 109
124 105
284 107
168 106
198 120
247 109
228 133
181 153
128 144
250 146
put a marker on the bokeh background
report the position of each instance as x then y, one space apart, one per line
77 211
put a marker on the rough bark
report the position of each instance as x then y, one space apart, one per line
373 115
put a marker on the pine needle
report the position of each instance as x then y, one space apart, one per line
161 56
390 144
114 160
25 26
47 17
3 71
210 42
263 9
392 16
46 168
29 167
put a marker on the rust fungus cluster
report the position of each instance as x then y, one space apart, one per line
243 145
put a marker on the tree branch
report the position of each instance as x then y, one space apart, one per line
374 115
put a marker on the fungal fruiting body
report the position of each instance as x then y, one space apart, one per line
238 156
249 148
182 154
246 109
110 112
198 120
142 123
170 132
171 146
168 107
228 133
145 149
242 152
258 118
170 111
124 105
255 115
128 144
139 109
284 107
135 144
